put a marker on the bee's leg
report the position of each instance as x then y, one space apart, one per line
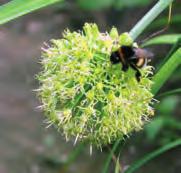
125 67
138 73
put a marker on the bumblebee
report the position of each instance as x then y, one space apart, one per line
130 56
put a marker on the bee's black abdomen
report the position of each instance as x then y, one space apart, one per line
127 51
114 58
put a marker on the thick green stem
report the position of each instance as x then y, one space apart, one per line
149 17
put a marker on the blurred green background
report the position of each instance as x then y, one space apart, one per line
26 145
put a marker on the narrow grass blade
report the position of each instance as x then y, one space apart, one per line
16 8
174 48
135 166
74 154
117 166
166 70
108 160
172 92
164 39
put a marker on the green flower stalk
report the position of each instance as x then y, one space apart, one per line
84 95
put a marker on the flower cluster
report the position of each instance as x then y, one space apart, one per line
86 96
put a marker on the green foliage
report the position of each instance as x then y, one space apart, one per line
109 157
174 48
117 166
166 70
153 128
16 8
167 105
171 92
164 122
163 129
139 163
164 39
73 155
86 96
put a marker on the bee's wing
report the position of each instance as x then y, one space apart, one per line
142 57
143 53
149 54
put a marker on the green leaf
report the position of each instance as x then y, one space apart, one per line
135 166
94 4
153 128
168 105
75 153
169 54
108 160
117 167
173 123
16 8
164 39
166 70
172 92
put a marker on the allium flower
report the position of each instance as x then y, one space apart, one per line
86 96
